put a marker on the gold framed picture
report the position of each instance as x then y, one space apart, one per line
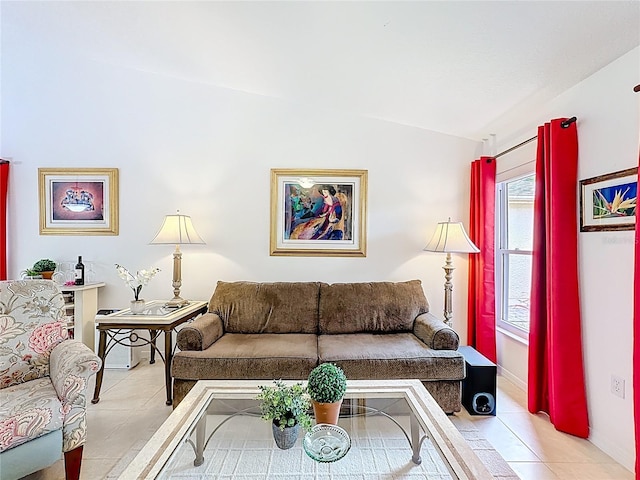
78 201
318 212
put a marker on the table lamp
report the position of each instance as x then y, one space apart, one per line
450 237
177 230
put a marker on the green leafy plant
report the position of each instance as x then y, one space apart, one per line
327 383
44 265
285 405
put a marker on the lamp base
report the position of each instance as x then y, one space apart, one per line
448 288
176 302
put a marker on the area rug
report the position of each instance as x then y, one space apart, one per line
382 454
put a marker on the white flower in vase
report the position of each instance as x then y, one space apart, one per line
137 281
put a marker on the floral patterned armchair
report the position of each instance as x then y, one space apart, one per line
43 381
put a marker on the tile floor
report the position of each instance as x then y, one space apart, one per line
535 449
132 406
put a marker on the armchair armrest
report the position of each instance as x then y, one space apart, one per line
71 365
435 333
201 333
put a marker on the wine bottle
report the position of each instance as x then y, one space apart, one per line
79 272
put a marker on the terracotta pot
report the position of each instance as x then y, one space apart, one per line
327 412
47 275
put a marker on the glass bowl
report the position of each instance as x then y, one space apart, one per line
326 443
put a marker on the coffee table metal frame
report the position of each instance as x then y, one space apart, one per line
119 328
354 410
425 416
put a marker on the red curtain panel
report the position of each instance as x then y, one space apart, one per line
4 184
636 340
556 369
481 321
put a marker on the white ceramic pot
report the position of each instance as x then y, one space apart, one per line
137 306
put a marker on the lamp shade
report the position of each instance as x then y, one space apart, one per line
177 230
450 237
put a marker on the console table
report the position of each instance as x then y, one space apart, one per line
119 328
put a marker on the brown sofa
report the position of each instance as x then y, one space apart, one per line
379 330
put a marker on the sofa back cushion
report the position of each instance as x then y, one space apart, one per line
370 307
31 325
281 307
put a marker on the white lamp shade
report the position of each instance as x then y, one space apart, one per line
450 237
177 230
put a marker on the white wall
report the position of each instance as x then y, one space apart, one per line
608 126
208 151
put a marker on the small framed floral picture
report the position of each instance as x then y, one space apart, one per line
318 212
78 201
608 202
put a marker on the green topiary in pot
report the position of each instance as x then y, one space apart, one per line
285 405
327 383
44 265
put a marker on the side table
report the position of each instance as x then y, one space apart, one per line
119 328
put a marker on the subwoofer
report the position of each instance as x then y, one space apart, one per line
479 386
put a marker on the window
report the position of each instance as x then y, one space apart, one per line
514 253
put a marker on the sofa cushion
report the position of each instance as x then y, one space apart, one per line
370 307
365 356
281 307
250 356
28 411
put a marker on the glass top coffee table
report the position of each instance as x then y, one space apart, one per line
396 430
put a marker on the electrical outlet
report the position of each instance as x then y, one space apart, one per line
617 386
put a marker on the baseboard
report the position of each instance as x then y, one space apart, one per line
512 378
624 456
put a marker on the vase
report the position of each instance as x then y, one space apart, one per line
137 306
286 438
327 412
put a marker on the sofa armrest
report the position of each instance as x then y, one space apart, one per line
201 333
435 333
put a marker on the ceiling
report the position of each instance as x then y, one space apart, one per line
449 66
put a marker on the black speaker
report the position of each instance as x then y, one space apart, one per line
479 386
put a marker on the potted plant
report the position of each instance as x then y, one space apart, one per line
326 385
44 267
135 283
287 407
30 273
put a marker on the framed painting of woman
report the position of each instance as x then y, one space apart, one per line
318 212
